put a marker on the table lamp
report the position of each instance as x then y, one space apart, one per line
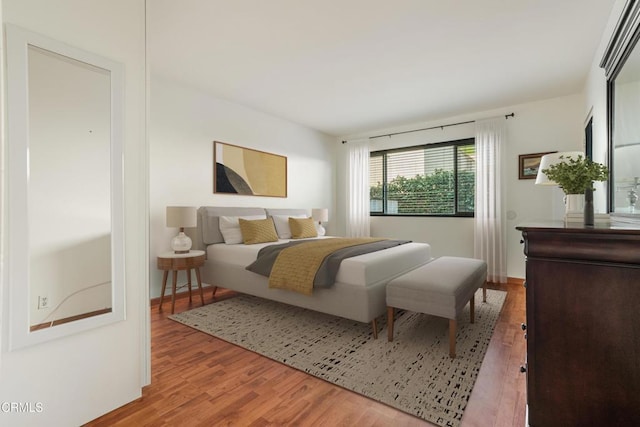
321 215
573 203
181 217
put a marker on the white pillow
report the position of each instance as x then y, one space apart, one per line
282 224
230 227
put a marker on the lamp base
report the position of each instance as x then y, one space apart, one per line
181 244
320 229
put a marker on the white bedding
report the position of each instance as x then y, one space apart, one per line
361 270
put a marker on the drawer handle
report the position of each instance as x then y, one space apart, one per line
523 369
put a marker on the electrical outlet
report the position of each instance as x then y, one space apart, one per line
43 302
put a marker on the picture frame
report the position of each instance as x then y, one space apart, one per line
528 164
248 172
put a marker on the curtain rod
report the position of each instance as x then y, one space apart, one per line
506 117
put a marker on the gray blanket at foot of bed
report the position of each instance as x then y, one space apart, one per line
326 275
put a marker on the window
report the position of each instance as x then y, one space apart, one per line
434 179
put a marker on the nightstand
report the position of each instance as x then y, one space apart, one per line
170 261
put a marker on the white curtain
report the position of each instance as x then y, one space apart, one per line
490 224
358 189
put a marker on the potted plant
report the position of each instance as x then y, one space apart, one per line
576 176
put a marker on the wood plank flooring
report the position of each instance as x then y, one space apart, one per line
199 380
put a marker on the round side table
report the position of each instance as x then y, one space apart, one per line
170 261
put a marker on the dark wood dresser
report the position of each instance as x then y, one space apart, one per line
582 325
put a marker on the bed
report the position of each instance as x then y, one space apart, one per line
359 292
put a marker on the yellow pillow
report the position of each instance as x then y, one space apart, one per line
302 228
257 231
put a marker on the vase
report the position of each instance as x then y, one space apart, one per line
588 208
574 203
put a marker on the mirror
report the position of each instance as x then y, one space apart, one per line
626 136
66 246
621 62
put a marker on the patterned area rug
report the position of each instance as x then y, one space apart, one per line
413 373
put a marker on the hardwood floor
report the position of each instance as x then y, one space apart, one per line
199 380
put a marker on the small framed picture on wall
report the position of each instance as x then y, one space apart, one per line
528 164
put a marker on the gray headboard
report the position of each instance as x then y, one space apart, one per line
272 211
208 231
208 228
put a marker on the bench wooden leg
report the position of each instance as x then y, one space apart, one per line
390 323
484 292
472 310
452 338
374 326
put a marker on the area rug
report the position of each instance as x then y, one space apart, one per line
413 373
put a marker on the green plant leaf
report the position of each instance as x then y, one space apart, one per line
574 176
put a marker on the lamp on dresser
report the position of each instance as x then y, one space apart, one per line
181 217
320 215
553 159
575 174
574 203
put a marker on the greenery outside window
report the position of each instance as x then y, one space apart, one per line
427 180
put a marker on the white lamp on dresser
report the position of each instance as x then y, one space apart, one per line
574 203
181 217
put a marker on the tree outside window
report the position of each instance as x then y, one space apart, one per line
434 179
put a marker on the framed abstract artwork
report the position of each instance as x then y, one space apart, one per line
248 172
528 165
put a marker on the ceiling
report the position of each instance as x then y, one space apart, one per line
349 66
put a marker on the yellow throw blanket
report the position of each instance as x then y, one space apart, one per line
296 267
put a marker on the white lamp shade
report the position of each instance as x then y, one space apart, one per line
552 159
320 214
181 216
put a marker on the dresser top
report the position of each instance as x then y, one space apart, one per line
561 227
603 243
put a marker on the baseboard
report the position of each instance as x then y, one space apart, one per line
511 281
182 294
515 281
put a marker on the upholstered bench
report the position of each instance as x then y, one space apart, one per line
440 288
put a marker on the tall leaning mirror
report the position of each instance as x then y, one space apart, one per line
65 216
622 66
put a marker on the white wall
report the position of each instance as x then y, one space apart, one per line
184 124
80 377
549 125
